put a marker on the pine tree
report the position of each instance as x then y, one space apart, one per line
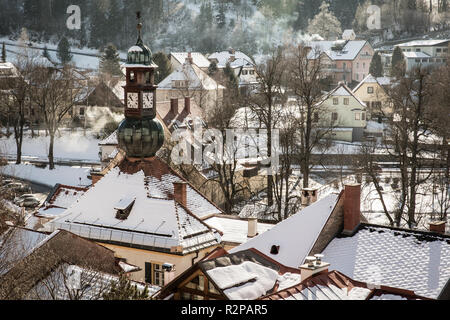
398 68
3 53
212 69
164 66
376 67
63 53
325 23
125 290
45 53
231 76
110 61
305 11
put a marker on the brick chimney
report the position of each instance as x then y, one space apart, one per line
252 227
438 226
174 106
313 266
179 193
352 208
187 104
189 58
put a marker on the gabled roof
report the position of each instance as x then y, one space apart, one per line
411 260
61 198
198 79
382 81
155 221
350 49
224 57
296 235
337 286
110 140
197 58
341 90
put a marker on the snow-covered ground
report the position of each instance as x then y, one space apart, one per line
69 146
74 176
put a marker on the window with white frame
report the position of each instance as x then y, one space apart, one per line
335 101
357 116
346 101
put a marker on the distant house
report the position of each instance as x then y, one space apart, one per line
186 94
177 59
372 91
343 60
242 65
344 113
426 53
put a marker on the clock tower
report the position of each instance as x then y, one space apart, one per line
140 134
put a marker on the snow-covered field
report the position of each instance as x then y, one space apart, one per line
69 146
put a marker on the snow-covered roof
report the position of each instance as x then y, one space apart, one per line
382 81
337 286
111 140
190 72
197 58
349 51
155 219
341 90
416 261
413 55
348 34
7 69
17 243
224 57
234 230
423 43
296 235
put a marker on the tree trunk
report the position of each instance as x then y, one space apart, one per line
50 151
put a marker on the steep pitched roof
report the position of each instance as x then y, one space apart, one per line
197 79
411 260
197 58
224 57
296 235
341 90
155 220
337 286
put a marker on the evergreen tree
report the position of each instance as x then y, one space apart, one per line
164 66
125 290
305 10
3 53
398 67
212 69
376 67
63 53
325 23
110 61
230 76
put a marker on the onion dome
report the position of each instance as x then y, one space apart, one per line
140 53
140 138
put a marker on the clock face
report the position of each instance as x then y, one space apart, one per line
148 100
133 100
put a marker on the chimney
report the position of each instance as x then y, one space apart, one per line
352 209
179 193
438 226
313 266
309 196
174 106
252 227
169 272
189 58
187 104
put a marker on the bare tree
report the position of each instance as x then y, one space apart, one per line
55 92
306 81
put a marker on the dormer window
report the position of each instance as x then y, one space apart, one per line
123 208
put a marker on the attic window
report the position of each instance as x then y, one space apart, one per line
275 249
123 208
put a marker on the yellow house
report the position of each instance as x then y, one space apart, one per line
372 92
342 114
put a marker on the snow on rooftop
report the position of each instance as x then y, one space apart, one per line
413 55
153 220
235 230
423 43
296 235
198 58
247 281
112 139
349 50
224 57
400 259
